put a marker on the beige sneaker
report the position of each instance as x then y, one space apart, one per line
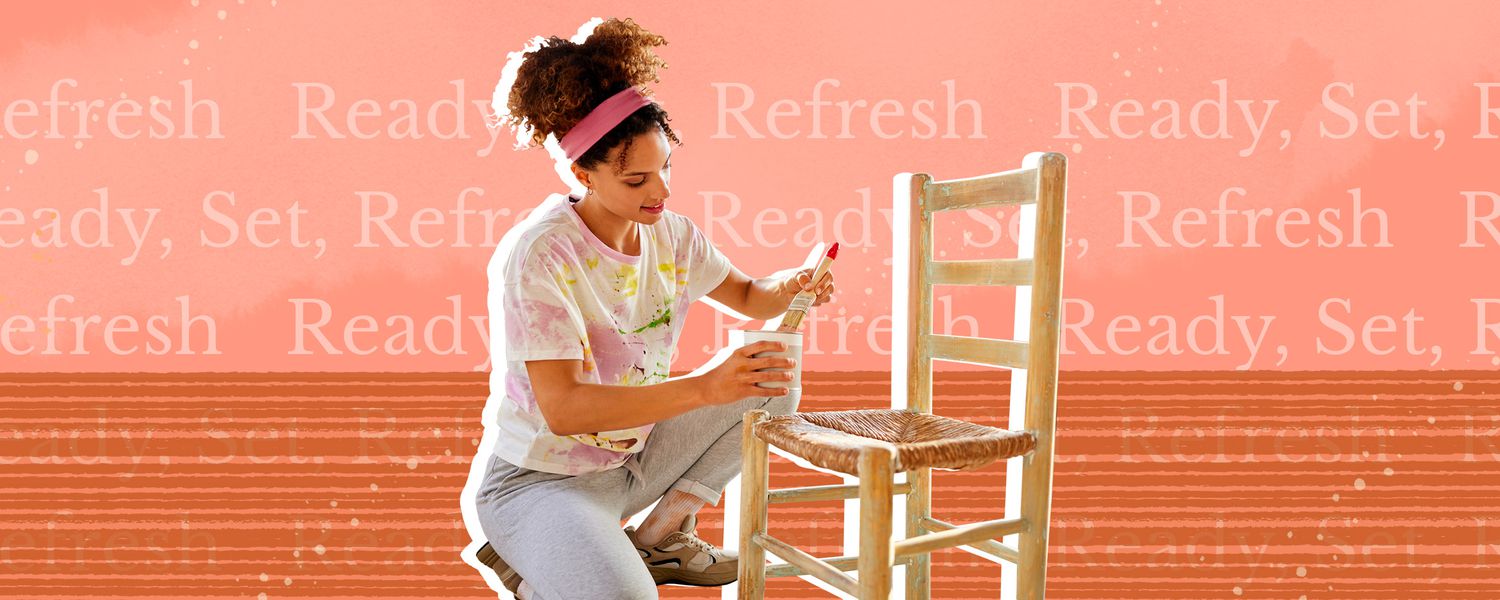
682 557
508 576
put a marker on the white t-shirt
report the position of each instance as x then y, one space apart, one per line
561 293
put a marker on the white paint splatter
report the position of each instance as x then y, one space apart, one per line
32 155
1359 483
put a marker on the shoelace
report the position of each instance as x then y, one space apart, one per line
695 542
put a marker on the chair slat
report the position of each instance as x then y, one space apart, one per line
842 563
990 547
1004 271
808 563
1008 187
819 493
980 351
960 536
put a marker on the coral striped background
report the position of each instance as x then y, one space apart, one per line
1212 485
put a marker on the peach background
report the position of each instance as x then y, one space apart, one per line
1006 57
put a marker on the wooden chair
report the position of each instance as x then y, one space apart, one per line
876 444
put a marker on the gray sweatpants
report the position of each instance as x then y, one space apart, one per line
562 533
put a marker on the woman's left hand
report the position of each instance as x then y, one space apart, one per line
801 280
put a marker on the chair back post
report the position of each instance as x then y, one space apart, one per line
911 355
1041 371
918 363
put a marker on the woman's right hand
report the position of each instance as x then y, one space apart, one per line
735 378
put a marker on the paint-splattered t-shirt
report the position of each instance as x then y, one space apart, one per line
560 293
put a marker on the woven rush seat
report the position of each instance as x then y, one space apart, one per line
833 439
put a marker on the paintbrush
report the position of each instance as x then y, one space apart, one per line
804 300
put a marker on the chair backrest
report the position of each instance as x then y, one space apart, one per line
1039 189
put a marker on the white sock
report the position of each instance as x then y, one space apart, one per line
523 591
668 516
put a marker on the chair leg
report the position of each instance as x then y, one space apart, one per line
755 474
875 551
918 506
1036 507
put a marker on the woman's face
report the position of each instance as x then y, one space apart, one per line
639 192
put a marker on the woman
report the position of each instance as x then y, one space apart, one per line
588 296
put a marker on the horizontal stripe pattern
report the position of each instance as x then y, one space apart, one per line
1329 484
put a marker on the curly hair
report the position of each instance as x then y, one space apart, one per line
560 81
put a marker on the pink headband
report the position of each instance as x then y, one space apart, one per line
599 121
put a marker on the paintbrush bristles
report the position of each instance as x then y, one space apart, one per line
791 321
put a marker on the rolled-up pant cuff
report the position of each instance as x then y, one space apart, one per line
708 494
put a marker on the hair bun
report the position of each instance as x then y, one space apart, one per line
558 81
627 47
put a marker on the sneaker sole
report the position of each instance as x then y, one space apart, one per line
664 576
